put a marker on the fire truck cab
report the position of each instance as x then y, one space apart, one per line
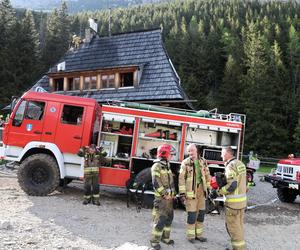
44 134
286 178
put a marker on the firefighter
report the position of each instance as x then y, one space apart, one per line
92 159
76 41
235 198
194 182
164 192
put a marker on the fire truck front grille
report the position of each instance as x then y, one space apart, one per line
288 171
285 171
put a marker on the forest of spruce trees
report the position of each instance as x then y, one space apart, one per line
239 56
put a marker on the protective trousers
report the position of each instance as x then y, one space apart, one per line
162 219
195 209
91 187
234 219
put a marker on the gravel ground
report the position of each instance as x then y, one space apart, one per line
60 221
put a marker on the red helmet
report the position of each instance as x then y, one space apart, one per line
213 182
164 151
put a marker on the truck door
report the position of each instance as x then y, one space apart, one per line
69 128
27 123
51 120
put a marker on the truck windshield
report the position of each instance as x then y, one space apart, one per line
19 115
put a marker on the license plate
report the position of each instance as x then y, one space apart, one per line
293 186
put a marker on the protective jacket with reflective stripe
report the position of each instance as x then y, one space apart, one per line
236 187
91 161
162 179
187 177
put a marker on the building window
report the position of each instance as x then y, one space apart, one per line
126 79
58 84
108 81
90 82
93 84
74 83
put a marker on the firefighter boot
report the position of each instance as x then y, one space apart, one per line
155 246
86 201
168 242
96 202
201 239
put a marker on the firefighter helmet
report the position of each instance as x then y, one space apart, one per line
213 183
165 150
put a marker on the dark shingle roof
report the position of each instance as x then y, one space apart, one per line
145 49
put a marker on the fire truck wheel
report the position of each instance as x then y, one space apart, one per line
286 195
38 175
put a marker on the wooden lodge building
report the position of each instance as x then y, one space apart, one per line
129 67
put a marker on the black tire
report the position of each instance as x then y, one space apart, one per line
287 195
38 175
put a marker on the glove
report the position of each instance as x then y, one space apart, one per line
213 194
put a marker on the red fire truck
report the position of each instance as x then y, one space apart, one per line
45 131
286 178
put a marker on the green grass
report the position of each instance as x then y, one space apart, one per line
265 169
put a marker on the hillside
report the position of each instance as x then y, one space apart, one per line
77 5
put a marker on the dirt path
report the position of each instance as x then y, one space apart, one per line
60 221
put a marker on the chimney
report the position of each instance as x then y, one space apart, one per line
88 35
92 30
93 25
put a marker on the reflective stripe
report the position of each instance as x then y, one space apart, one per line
160 189
191 232
96 195
87 196
238 243
199 230
156 194
235 196
182 189
236 199
223 189
190 194
157 174
91 169
167 228
165 171
157 233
